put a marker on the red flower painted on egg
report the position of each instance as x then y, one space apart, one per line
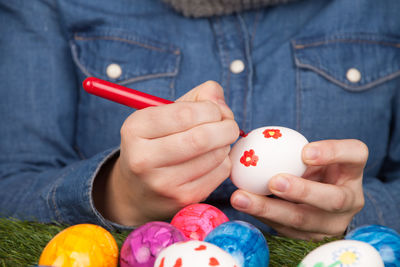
249 158
213 262
178 263
201 247
274 133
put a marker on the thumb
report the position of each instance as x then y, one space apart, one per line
209 91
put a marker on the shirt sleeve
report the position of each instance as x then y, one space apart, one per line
42 175
382 193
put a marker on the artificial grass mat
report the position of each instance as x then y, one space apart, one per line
21 244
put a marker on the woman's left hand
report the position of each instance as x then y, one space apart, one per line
322 202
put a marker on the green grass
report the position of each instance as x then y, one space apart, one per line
22 242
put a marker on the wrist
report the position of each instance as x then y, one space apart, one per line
111 195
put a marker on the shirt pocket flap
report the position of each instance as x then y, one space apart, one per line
355 62
139 58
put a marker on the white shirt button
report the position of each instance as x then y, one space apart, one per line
237 66
114 71
353 75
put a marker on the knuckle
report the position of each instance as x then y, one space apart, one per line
203 197
339 227
125 130
213 84
302 191
133 125
297 220
340 201
185 116
226 167
200 195
336 226
227 150
220 154
264 210
234 130
158 187
331 152
138 163
363 151
198 140
184 200
359 203
212 110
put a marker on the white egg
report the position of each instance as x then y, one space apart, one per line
344 253
194 253
263 153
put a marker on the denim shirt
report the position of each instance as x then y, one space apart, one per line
54 137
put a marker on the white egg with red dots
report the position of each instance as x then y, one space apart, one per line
194 253
264 153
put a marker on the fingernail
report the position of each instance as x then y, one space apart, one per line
311 153
241 201
280 184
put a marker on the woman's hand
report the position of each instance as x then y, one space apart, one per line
171 156
323 202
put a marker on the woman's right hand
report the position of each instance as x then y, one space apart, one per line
171 156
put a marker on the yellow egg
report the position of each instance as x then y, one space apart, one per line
81 245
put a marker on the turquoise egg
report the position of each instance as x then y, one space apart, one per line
243 241
383 239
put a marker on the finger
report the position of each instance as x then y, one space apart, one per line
196 190
211 91
297 216
296 234
155 122
332 198
348 151
195 168
177 148
180 147
205 185
314 173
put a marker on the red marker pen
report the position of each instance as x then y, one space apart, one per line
121 94
124 95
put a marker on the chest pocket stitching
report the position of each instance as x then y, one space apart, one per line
91 37
298 45
83 38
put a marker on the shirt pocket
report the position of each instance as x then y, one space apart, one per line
375 58
345 88
143 63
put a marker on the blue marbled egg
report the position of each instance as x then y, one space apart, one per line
243 241
383 239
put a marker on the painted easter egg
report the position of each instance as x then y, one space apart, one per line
194 253
348 253
263 153
235 236
143 245
81 245
383 239
197 220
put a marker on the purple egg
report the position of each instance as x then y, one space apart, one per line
143 245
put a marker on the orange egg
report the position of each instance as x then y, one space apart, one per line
81 245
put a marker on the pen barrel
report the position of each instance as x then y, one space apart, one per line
121 94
